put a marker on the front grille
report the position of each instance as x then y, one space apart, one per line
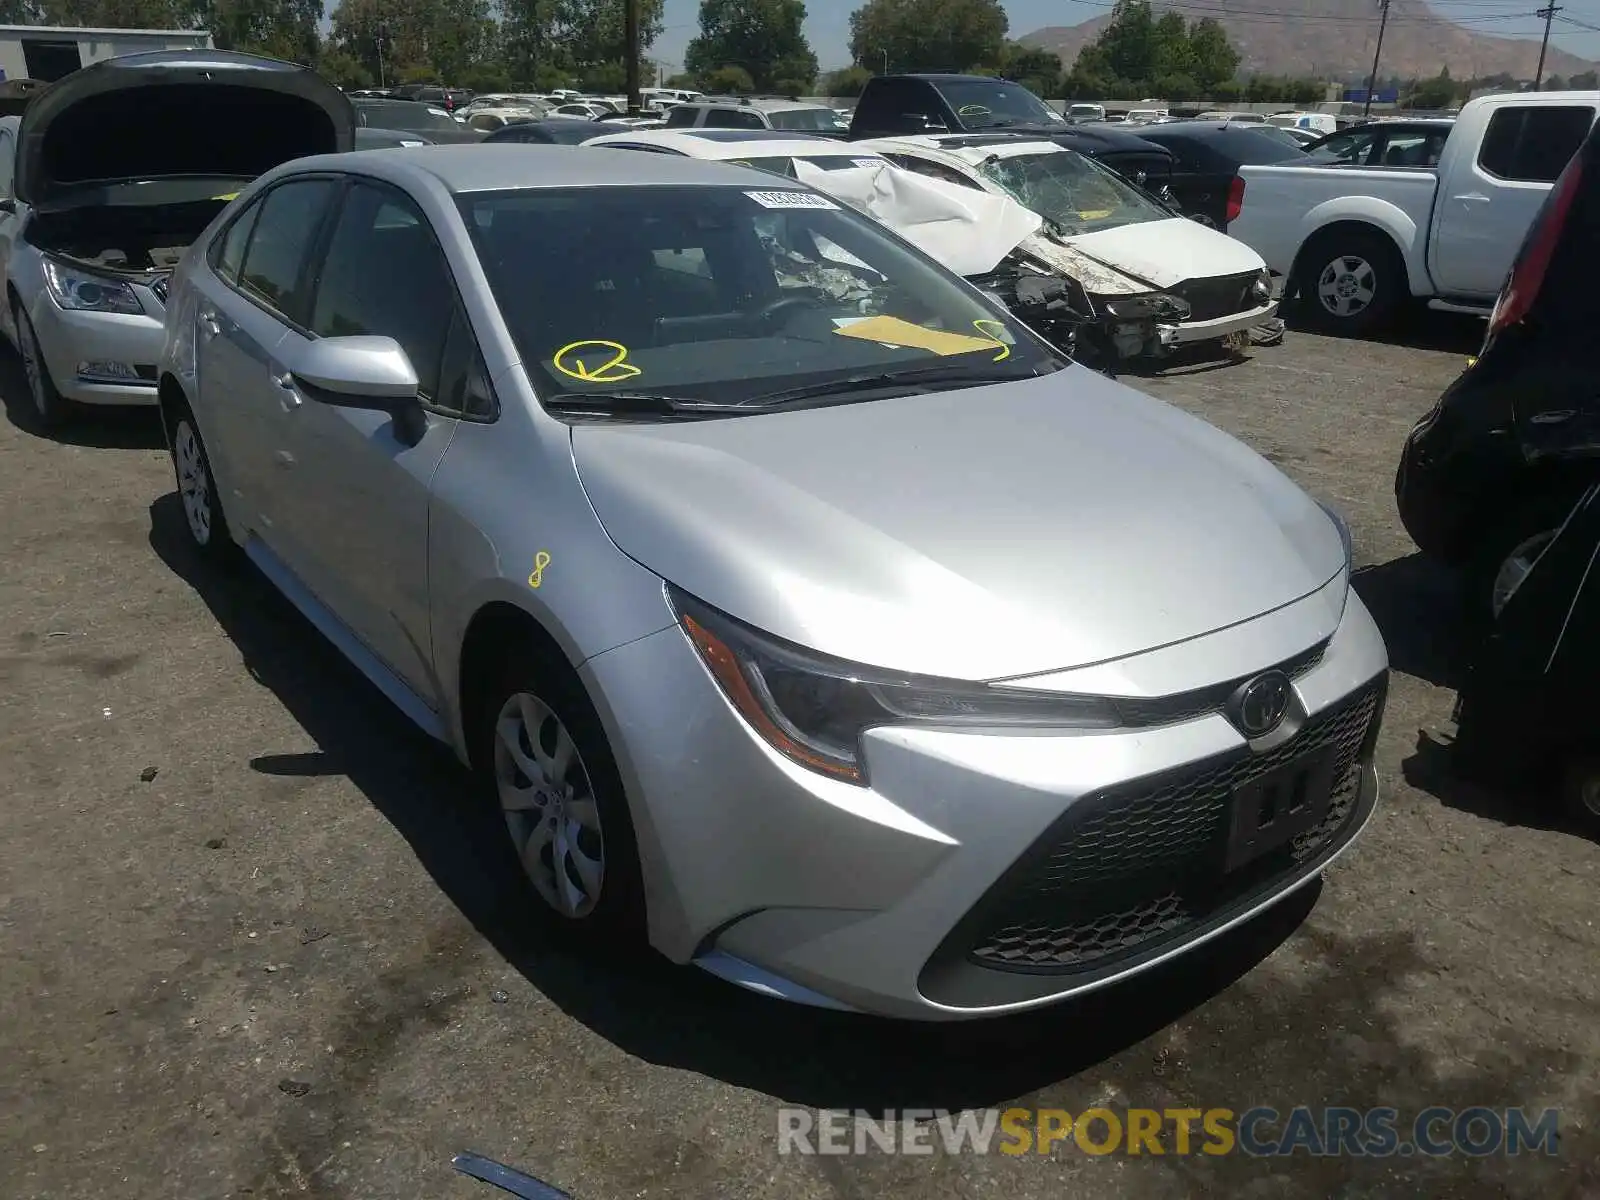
1186 706
1142 864
1213 299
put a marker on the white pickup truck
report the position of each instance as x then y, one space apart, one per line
1353 243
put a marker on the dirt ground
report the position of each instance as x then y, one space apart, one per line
256 941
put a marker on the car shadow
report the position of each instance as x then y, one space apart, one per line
1416 327
1417 605
107 428
1431 768
651 1008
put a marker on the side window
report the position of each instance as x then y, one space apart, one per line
681 116
935 171
275 258
1533 143
228 251
384 274
8 163
732 118
1346 148
464 388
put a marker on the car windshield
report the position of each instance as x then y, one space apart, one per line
1071 191
411 114
725 296
995 103
1282 136
810 119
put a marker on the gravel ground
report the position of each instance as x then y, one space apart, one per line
257 942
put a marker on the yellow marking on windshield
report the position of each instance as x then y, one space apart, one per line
227 196
541 560
1099 214
895 332
982 326
569 361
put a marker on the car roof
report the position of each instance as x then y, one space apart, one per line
973 149
759 103
695 145
489 167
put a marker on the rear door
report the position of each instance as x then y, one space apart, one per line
259 263
1488 201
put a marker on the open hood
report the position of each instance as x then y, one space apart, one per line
967 230
175 113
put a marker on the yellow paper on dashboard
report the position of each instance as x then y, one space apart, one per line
896 332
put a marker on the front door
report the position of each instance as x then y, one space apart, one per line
358 496
1487 205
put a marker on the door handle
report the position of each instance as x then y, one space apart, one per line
291 395
1473 198
209 327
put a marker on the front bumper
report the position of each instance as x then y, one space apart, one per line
1217 328
906 898
79 347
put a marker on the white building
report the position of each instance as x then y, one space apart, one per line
48 52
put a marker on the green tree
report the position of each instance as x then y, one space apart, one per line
344 70
1586 81
122 14
729 81
1216 62
284 29
441 41
1307 91
1173 53
1554 83
1129 42
1230 91
765 37
1037 70
928 35
845 83
1438 92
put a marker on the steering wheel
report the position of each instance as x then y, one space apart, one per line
774 309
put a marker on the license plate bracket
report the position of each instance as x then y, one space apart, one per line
1276 807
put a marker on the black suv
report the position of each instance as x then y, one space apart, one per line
1490 474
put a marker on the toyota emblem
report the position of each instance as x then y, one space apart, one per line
1260 704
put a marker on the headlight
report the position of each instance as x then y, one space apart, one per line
1340 524
814 710
1160 306
80 290
1261 289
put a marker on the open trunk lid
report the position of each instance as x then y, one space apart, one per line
175 114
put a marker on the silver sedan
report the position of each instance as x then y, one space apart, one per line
801 611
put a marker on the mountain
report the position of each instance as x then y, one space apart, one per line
1334 39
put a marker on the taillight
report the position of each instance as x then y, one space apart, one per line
1235 198
1527 277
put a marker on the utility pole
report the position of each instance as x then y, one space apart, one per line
1372 80
1548 12
630 32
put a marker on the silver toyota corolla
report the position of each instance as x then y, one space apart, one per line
808 614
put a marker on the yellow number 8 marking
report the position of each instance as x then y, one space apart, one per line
569 361
983 327
541 560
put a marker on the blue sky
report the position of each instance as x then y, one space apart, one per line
828 22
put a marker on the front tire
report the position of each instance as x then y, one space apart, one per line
544 751
1351 283
51 410
197 491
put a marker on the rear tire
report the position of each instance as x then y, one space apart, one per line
1580 791
542 752
197 491
1508 550
51 410
1351 283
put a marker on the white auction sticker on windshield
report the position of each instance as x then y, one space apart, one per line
791 200
867 162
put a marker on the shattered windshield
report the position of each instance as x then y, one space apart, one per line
1070 191
996 103
723 295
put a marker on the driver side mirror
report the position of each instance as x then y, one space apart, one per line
365 372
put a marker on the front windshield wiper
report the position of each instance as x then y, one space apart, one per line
636 404
928 377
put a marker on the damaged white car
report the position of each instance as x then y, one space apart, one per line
104 183
1126 250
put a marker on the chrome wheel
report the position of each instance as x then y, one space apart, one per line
194 481
1347 286
549 805
1514 569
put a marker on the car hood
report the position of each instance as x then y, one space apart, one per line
986 533
175 113
1166 253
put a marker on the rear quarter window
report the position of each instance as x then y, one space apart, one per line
1533 143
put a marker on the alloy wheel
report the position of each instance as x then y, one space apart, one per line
1347 286
549 805
194 481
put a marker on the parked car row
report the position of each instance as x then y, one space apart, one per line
832 741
